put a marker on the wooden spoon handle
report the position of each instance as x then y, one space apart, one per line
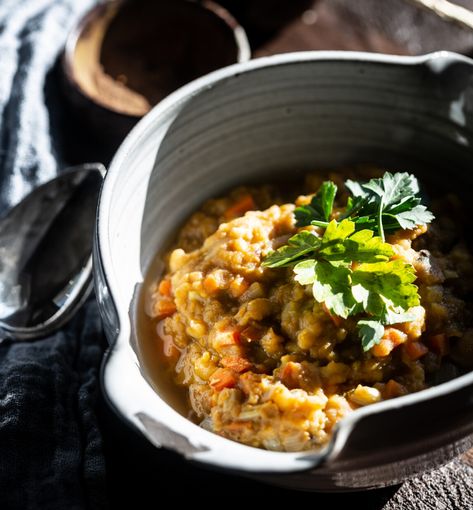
448 11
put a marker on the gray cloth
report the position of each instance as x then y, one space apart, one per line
32 34
50 445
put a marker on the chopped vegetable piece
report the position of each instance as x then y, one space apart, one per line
240 207
165 288
223 378
394 389
439 344
164 308
236 363
416 350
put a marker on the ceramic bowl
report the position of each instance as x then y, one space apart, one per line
258 120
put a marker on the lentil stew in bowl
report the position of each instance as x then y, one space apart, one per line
274 320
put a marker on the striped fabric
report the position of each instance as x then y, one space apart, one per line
32 34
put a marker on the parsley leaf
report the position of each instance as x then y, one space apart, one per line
383 290
340 243
332 286
337 232
371 331
320 207
386 283
361 246
418 215
331 274
399 317
393 188
298 245
351 270
387 204
305 272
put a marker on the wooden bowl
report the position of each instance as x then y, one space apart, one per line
124 56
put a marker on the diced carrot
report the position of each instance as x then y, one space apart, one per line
394 389
382 349
396 336
236 336
392 338
415 350
236 426
164 308
338 321
290 373
252 333
165 288
439 344
227 338
211 285
236 363
223 378
243 204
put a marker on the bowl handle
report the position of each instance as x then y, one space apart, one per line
437 422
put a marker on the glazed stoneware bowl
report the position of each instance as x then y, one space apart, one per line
263 119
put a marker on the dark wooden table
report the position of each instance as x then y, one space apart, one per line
138 475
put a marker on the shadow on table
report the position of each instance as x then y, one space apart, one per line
139 476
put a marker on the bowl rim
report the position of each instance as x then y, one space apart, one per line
269 462
67 58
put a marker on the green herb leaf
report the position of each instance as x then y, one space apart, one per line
360 246
371 332
390 283
305 272
387 204
337 232
320 207
393 188
418 215
399 317
332 286
331 273
354 205
350 268
298 245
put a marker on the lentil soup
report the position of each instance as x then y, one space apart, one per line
256 358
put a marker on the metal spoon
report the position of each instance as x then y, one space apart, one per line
46 254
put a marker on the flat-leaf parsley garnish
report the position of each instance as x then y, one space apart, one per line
350 267
320 207
386 204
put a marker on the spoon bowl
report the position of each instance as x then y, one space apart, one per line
45 253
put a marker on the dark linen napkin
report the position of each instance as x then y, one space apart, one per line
50 445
